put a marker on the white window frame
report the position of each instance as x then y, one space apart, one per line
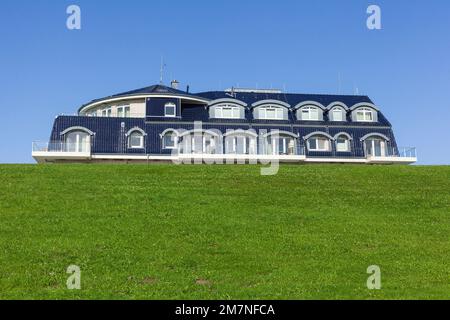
366 115
309 112
340 111
246 145
175 141
373 141
327 149
347 144
279 114
171 105
235 112
123 111
141 140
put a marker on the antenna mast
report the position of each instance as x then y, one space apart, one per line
161 74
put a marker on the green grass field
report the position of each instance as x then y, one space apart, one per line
224 232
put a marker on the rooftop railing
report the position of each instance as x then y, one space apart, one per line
128 115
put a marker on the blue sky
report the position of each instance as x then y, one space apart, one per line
303 46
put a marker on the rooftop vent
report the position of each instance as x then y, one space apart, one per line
174 84
249 90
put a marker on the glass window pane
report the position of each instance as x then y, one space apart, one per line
271 113
322 143
337 115
227 112
170 110
136 140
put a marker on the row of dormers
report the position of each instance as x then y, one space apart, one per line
306 111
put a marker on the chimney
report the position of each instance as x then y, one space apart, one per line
174 84
187 89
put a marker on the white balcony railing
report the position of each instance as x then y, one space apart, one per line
61 147
406 152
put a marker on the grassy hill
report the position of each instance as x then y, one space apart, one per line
224 232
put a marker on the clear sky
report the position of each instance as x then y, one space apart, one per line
303 46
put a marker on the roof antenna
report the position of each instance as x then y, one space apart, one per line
161 71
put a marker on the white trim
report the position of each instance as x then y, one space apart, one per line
140 96
337 104
366 111
342 111
172 105
202 131
231 132
141 140
175 139
78 128
317 149
374 134
317 133
135 129
263 103
309 108
162 134
42 157
235 111
263 110
342 134
281 133
309 103
364 104
227 100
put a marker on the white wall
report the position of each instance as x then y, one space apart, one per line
137 108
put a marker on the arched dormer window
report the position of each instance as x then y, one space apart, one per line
271 112
227 111
364 115
337 114
309 113
136 138
227 108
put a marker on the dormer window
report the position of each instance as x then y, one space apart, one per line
337 114
227 111
271 113
170 110
364 115
310 113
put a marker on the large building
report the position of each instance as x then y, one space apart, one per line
160 123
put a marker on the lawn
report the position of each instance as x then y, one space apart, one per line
224 232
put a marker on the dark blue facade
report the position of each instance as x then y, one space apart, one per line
110 133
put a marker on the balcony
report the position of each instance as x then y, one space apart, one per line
401 155
51 151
